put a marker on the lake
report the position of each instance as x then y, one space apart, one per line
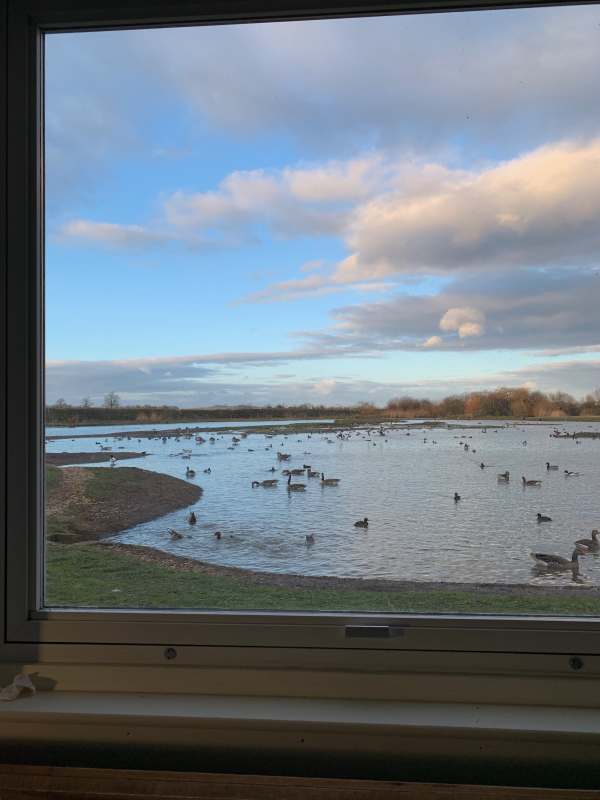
403 484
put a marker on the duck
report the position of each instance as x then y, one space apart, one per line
190 473
175 534
569 474
192 518
208 470
362 523
272 469
504 476
295 487
310 538
530 482
456 497
550 466
558 563
543 518
591 544
218 535
329 481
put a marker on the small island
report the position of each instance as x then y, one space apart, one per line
89 503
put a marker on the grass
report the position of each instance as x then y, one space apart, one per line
88 575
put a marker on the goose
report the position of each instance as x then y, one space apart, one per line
329 481
558 563
270 482
190 473
310 538
550 466
504 476
530 482
591 544
543 518
456 497
175 534
297 472
313 473
362 523
295 487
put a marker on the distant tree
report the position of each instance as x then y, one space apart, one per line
61 403
112 400
86 402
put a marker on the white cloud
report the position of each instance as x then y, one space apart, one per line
110 234
465 321
433 341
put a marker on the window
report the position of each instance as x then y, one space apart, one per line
211 193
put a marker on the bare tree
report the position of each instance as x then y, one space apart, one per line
61 403
112 400
86 402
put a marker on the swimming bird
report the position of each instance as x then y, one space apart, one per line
362 523
569 474
266 484
310 538
190 473
192 518
542 518
591 544
456 497
504 476
313 473
208 470
272 469
550 466
329 481
175 534
558 563
218 535
295 487
530 482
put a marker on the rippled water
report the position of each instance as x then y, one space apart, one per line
403 484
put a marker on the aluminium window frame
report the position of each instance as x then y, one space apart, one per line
26 625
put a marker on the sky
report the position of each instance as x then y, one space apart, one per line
330 212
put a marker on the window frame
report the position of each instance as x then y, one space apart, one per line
21 405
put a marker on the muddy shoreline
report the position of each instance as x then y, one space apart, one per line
64 459
153 556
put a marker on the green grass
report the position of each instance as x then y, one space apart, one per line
89 575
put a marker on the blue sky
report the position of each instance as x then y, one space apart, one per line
326 211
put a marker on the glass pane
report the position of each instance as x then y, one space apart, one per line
322 315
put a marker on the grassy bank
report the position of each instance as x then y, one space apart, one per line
93 575
84 503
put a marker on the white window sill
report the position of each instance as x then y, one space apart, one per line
61 710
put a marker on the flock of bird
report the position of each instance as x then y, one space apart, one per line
549 562
543 561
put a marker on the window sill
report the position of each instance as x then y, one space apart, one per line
106 710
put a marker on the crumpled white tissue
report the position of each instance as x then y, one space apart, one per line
21 684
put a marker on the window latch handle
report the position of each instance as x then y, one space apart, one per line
373 631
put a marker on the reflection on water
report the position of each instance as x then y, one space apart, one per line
404 484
